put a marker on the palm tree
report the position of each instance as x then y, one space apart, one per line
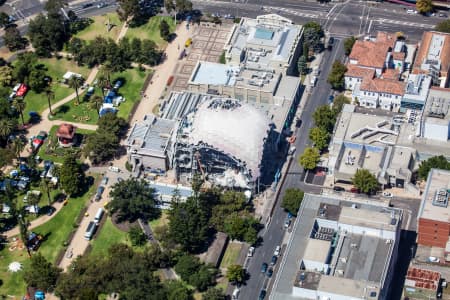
18 145
102 83
46 189
19 104
23 228
50 96
7 127
96 101
106 70
75 82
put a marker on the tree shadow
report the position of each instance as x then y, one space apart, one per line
63 109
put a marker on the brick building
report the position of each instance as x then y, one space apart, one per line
434 212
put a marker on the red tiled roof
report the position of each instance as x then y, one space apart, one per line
423 51
379 85
66 131
373 53
424 278
356 71
390 74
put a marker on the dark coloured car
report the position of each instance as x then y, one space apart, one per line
338 188
354 190
274 260
100 190
330 43
269 272
331 98
264 267
86 5
262 294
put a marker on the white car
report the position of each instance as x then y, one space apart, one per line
277 251
251 251
114 169
388 195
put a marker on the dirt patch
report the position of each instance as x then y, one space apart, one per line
124 226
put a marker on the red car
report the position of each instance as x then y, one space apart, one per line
354 190
23 89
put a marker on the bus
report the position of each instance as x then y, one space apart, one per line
90 230
99 215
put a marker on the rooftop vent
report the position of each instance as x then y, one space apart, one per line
441 198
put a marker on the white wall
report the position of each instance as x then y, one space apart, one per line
312 265
350 82
436 131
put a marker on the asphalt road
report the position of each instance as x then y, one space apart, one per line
273 234
349 18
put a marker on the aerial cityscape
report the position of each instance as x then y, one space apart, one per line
224 149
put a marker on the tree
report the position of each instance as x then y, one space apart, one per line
169 5
235 274
230 202
325 118
365 181
348 44
48 33
195 273
443 26
23 230
292 200
435 162
338 103
106 71
41 273
312 34
7 126
183 6
137 236
336 76
33 199
75 82
309 158
133 199
96 102
19 104
71 175
112 123
13 39
18 145
45 188
4 19
242 228
128 9
23 66
214 293
301 65
103 83
424 6
38 79
164 30
177 290
6 75
50 97
320 137
188 225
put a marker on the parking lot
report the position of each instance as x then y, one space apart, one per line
208 41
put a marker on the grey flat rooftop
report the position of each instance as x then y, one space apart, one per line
214 74
437 179
151 136
179 104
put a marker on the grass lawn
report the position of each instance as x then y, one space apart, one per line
98 27
231 254
132 79
150 30
109 235
56 69
56 230
50 150
162 220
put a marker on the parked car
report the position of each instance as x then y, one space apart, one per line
262 294
269 272
292 150
102 4
274 260
338 188
442 15
99 193
119 179
23 89
104 180
114 169
251 251
287 223
277 251
387 195
354 190
264 267
331 98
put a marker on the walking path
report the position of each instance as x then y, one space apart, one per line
37 222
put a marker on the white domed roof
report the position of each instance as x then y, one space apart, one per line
233 127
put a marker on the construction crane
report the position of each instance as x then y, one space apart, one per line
197 157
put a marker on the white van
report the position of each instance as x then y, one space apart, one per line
99 215
90 230
235 294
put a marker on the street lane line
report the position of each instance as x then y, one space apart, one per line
370 26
